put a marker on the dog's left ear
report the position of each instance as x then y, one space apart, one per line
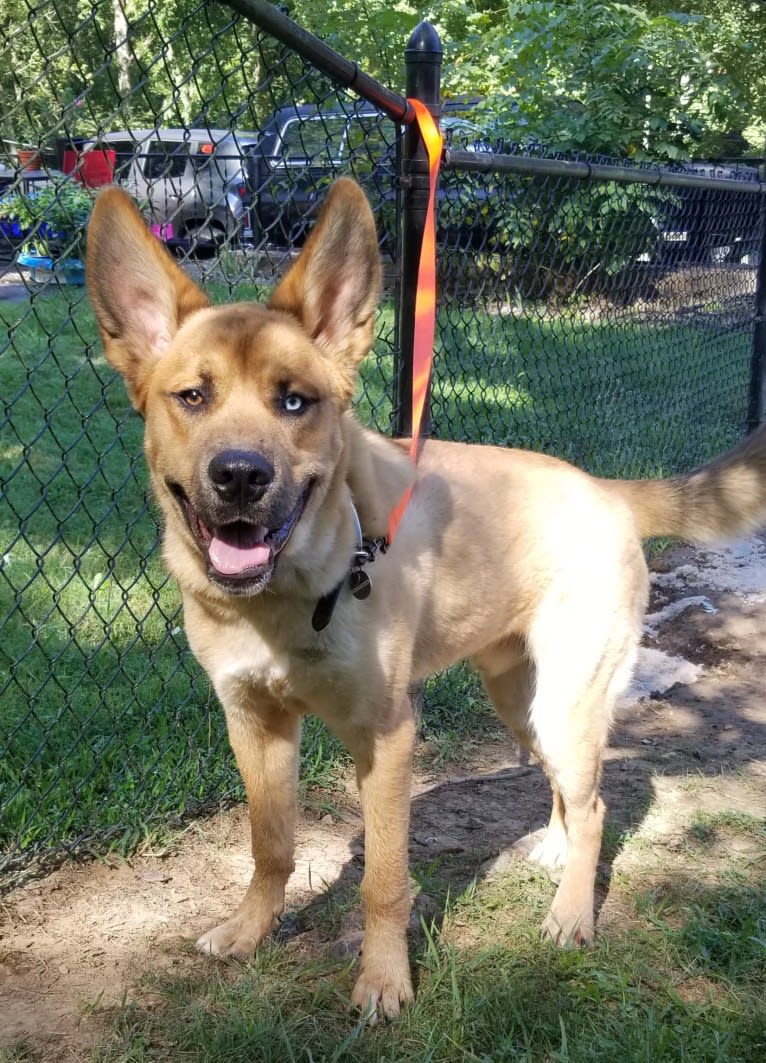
334 287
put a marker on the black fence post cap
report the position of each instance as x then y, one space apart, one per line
424 40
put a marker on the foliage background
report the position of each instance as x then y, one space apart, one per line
638 80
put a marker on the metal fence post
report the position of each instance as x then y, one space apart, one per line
423 58
756 409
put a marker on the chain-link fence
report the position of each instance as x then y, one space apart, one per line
592 310
602 313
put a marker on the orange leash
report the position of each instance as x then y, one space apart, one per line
425 301
423 352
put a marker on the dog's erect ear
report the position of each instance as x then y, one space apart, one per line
139 295
334 286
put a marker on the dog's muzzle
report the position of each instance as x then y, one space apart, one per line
241 553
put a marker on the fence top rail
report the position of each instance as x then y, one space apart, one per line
495 162
324 58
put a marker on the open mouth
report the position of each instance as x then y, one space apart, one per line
240 555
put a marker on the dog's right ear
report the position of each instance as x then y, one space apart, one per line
139 294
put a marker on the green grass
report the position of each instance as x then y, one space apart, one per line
107 721
683 982
616 397
109 726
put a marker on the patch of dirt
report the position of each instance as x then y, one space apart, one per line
689 736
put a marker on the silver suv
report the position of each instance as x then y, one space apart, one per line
191 183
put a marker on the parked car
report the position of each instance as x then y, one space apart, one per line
304 147
713 226
191 183
201 188
301 150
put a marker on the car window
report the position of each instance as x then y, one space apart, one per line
370 147
367 134
313 140
165 159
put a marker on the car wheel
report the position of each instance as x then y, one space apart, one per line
205 237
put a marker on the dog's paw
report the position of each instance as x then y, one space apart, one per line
238 937
568 931
382 994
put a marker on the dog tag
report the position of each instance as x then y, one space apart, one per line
360 584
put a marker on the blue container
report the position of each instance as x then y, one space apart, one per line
43 269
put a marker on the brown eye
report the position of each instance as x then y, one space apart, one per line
193 398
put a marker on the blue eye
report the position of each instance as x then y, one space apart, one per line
293 403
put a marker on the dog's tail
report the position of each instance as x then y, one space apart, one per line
725 498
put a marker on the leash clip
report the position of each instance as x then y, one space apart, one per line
359 582
365 553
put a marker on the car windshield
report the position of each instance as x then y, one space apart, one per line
315 139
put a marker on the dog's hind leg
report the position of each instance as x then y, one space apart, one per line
382 753
266 743
556 692
508 676
570 714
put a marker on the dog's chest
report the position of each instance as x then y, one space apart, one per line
300 673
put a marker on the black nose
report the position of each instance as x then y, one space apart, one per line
241 476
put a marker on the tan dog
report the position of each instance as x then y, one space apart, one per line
520 562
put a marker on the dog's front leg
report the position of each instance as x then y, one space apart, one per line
383 757
266 744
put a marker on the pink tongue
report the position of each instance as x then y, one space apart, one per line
242 551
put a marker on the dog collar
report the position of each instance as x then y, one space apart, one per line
359 581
